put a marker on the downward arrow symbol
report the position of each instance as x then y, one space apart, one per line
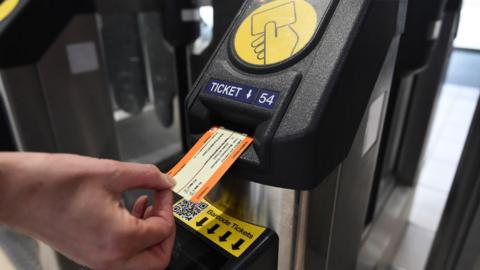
224 237
249 94
201 222
213 229
238 244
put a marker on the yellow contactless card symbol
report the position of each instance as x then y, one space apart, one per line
7 7
275 32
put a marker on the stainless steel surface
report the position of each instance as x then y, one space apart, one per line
4 97
61 104
142 138
315 235
150 134
27 110
75 92
301 233
282 210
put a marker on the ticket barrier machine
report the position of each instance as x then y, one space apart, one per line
308 80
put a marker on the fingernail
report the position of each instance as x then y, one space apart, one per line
171 180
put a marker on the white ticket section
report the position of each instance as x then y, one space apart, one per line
207 163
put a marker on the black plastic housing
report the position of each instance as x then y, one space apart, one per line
422 29
180 31
33 25
323 95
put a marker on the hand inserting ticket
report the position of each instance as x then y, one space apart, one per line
208 160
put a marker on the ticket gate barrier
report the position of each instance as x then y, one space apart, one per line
418 78
314 102
308 80
79 56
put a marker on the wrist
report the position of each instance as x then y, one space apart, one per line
16 182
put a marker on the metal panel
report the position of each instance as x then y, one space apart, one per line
77 98
280 209
25 106
425 89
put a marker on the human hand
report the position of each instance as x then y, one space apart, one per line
73 204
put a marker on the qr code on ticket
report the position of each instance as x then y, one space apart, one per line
188 210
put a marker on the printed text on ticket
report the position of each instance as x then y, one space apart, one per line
208 160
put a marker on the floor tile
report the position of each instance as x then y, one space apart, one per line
438 175
463 91
427 207
455 132
462 111
414 248
447 150
449 90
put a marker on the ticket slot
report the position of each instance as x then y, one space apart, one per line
248 117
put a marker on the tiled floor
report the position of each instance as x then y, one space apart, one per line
423 241
447 137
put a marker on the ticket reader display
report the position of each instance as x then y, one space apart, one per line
282 75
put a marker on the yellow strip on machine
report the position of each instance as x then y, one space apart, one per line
229 233
7 7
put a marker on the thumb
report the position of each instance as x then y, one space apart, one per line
160 225
127 176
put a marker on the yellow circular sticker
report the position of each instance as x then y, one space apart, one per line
6 7
275 32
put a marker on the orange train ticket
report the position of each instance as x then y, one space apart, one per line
208 160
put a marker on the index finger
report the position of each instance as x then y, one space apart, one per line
124 176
